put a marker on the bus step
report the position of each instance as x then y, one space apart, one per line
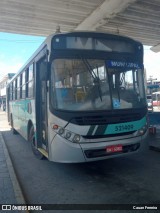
43 152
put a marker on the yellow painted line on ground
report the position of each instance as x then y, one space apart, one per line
43 152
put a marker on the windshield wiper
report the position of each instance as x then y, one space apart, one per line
96 79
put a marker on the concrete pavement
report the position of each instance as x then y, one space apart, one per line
154 139
10 190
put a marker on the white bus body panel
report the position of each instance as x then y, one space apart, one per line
65 151
62 150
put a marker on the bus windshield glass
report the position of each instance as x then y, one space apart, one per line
91 84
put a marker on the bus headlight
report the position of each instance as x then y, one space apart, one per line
142 131
68 135
61 131
76 138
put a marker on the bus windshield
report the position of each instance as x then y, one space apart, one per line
90 84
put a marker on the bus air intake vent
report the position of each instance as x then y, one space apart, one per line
107 136
109 119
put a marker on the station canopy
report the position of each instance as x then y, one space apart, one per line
139 19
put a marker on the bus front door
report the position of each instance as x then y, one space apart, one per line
41 104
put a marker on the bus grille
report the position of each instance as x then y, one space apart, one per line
109 119
107 136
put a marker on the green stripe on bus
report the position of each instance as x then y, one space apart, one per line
125 127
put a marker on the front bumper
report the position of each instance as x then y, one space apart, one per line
68 152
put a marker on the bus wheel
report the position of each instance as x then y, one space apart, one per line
12 127
33 144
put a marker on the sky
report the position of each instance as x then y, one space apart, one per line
16 49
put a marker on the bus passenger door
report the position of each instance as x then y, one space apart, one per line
41 104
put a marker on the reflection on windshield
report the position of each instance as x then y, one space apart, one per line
83 85
127 88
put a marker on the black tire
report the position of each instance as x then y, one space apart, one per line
33 144
12 127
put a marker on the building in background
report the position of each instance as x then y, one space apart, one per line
3 84
153 85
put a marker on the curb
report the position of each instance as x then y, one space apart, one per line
154 148
16 186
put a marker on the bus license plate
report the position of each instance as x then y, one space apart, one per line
114 148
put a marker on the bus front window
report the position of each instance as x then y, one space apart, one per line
85 85
127 88
80 85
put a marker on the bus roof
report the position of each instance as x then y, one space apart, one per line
47 42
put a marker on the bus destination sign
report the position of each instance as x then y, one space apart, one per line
123 64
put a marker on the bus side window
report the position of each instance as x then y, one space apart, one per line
26 81
18 87
30 82
43 70
23 88
15 90
11 92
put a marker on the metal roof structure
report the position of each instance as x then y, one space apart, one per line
139 19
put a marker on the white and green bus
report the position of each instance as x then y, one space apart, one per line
81 97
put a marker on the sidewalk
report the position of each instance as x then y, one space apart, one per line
154 139
10 191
